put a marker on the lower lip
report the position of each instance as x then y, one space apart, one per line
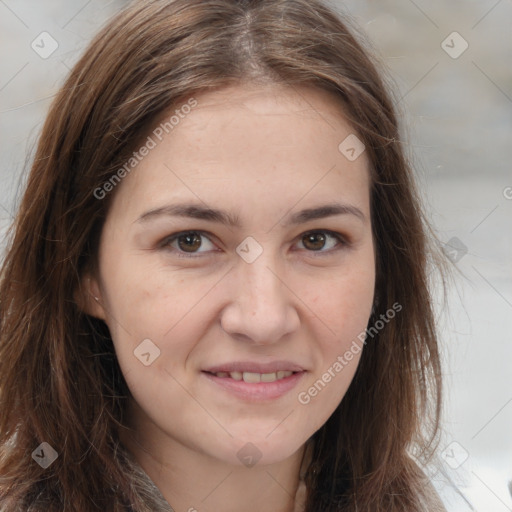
257 391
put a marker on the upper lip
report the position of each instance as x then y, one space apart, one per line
254 367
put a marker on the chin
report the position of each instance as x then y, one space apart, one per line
259 450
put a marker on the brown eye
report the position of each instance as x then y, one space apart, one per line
314 241
189 242
318 240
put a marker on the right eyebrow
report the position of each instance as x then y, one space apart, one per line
193 211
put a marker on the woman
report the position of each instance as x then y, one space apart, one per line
215 295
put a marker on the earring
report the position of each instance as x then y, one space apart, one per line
94 296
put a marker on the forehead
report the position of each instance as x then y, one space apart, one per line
270 98
260 145
269 107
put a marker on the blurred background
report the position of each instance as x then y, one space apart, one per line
450 63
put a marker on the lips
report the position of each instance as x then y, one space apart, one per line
256 381
253 377
255 367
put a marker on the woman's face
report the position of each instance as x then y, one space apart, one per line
273 273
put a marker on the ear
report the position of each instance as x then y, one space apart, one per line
88 297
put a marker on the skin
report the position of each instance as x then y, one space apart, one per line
262 153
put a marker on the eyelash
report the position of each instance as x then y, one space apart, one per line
342 242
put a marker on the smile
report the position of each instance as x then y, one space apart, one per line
252 377
253 386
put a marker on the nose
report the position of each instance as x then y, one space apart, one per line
262 307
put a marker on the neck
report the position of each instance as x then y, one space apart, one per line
192 481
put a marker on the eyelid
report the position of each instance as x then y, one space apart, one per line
343 241
165 244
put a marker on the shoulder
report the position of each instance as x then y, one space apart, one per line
144 488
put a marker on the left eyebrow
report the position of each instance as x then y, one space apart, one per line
199 211
321 212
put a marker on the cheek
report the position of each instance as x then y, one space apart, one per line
157 304
345 304
344 308
142 296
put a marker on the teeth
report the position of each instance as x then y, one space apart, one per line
252 378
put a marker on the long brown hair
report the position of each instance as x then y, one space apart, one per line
59 378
